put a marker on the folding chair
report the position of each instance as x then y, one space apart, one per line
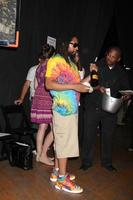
4 138
17 123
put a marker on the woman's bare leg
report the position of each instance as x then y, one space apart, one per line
47 143
39 139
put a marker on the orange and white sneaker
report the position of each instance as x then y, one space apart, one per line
64 183
55 173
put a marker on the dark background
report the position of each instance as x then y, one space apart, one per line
98 24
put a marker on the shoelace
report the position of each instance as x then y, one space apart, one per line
69 183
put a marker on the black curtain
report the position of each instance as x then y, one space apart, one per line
89 20
124 15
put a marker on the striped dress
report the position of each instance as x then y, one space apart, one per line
41 108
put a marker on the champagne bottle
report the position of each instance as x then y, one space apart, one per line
94 75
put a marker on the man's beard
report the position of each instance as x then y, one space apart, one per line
71 56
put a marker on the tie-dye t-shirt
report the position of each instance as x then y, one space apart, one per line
64 102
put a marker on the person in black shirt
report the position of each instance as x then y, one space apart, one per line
112 78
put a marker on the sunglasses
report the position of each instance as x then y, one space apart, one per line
74 44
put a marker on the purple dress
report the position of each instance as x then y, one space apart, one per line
41 108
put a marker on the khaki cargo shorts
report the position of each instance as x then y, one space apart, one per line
65 135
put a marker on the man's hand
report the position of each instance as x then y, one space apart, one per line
81 88
126 97
93 67
102 89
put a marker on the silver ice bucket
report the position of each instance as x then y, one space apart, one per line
111 104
